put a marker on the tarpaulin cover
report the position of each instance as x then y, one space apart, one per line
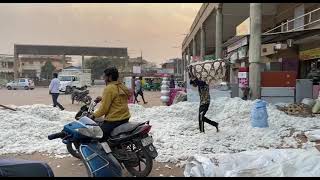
262 163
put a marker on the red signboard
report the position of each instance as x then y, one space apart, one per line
278 79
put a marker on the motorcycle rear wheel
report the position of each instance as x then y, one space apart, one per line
73 149
143 158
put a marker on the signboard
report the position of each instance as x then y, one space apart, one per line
243 82
238 44
242 75
242 52
165 71
209 57
309 54
243 28
136 69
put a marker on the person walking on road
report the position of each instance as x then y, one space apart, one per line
172 83
203 89
134 91
139 90
54 91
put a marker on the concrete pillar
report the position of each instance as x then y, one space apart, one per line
16 66
219 33
189 55
255 50
184 63
83 64
194 46
202 43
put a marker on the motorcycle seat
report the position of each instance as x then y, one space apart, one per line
124 128
76 91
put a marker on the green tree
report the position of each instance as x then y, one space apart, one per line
97 66
47 70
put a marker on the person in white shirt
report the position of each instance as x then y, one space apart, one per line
54 91
139 90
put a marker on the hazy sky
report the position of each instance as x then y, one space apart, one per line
157 29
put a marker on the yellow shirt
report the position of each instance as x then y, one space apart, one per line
114 104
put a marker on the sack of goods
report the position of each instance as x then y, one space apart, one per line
212 72
316 107
259 114
308 101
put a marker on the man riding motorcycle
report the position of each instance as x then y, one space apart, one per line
114 102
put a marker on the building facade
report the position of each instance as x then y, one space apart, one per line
6 67
30 66
289 37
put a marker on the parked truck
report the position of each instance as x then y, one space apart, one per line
71 79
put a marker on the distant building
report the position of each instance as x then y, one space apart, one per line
6 67
31 64
175 65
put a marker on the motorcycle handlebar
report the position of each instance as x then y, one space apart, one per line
98 99
56 135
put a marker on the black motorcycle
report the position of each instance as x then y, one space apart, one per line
130 144
81 96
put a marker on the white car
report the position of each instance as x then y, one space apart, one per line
22 83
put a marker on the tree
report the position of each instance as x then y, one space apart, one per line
47 70
97 66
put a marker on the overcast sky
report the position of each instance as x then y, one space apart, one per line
156 29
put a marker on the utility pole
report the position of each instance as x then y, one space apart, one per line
141 62
255 50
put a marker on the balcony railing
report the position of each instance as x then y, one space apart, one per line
310 18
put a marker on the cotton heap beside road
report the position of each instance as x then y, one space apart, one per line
174 129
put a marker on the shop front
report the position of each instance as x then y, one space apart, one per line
237 53
310 68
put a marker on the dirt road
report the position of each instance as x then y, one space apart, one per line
41 95
70 166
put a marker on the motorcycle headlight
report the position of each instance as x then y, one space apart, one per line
91 131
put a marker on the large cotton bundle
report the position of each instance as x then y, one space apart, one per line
212 72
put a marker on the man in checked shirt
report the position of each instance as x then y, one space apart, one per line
203 89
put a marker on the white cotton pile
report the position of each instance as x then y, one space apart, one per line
174 129
26 130
177 137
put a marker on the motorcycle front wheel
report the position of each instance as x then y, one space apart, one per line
73 149
145 165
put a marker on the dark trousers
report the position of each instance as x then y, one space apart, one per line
202 112
107 127
55 100
135 97
141 94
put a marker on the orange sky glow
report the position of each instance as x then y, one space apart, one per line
156 29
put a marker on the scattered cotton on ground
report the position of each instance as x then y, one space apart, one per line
174 129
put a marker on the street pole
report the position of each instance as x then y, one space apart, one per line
255 50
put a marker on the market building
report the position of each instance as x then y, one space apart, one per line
289 36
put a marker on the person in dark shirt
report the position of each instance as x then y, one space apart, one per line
203 89
172 83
